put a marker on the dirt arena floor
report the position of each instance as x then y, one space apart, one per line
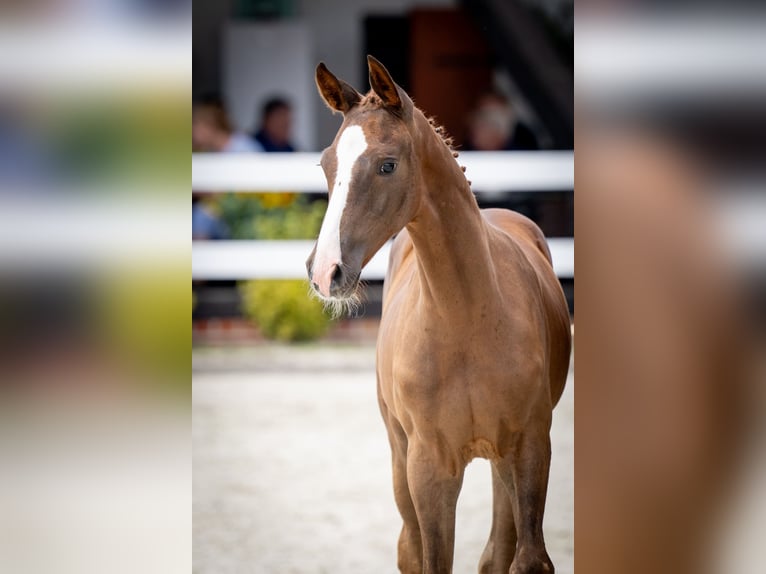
292 468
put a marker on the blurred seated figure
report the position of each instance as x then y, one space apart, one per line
212 131
206 224
273 133
493 126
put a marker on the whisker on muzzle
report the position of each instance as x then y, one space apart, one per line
338 307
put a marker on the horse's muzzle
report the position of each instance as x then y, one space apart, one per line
336 281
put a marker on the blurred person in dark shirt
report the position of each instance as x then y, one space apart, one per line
273 133
494 126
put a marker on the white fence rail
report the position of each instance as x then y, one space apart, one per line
286 259
300 172
490 172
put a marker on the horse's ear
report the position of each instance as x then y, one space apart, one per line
383 85
336 93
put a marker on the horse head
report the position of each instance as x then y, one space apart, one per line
371 176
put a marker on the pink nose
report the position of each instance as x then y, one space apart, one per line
323 275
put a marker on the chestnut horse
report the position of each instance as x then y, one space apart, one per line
474 341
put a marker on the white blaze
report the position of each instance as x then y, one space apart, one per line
351 145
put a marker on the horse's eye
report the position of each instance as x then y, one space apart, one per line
387 167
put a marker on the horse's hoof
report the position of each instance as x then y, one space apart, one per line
529 563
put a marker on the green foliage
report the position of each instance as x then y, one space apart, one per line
130 301
271 216
284 310
300 222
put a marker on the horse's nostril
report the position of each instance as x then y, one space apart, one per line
337 276
315 286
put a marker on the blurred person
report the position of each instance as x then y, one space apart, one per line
273 133
494 126
205 223
212 130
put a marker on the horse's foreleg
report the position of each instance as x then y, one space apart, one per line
410 549
434 490
528 465
501 546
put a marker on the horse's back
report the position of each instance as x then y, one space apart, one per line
520 228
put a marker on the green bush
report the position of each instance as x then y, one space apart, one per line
284 310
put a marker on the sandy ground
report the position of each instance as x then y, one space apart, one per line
292 468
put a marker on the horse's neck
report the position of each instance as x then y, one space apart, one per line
449 234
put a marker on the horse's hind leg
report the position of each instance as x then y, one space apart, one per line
501 546
525 471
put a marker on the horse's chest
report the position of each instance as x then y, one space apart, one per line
442 346
433 366
426 360
452 360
